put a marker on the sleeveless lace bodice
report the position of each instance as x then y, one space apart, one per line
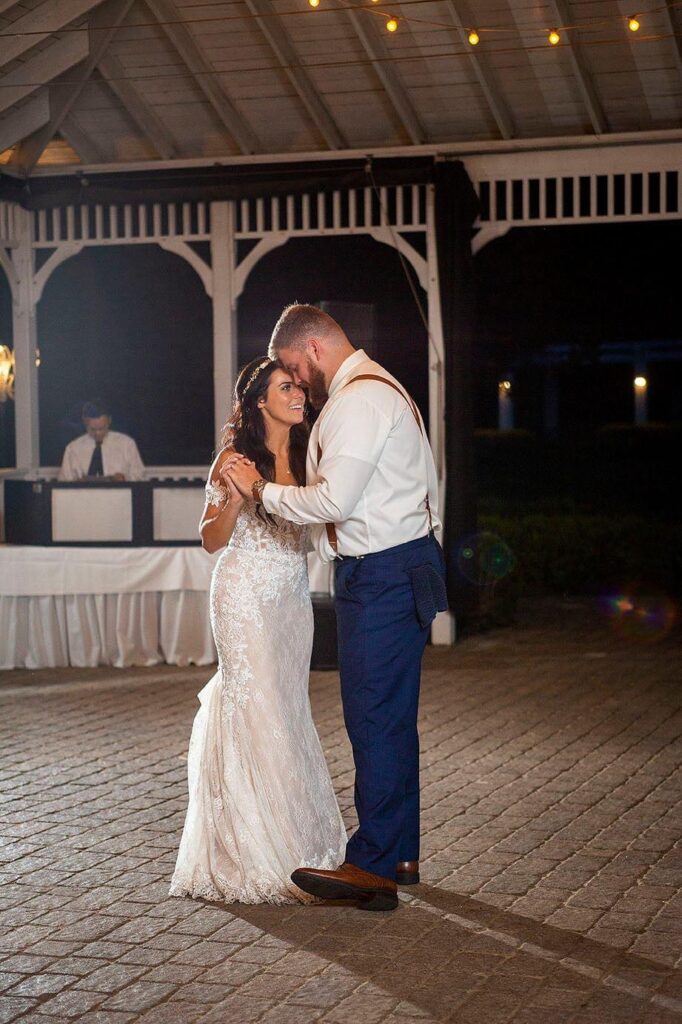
261 799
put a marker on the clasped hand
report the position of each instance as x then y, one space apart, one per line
240 473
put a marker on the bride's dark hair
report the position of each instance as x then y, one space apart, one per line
245 429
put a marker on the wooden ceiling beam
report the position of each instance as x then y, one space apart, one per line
285 52
42 67
109 16
379 55
671 28
39 24
180 37
25 119
139 110
80 142
464 23
562 14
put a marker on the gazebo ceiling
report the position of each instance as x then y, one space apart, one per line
128 82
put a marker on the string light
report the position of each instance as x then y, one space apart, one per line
554 37
392 25
633 24
474 37
314 3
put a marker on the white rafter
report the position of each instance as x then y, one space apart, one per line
80 142
42 67
486 79
38 24
595 110
139 110
671 29
103 26
205 77
26 119
285 52
377 52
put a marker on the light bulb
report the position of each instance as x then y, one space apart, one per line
392 25
474 38
633 24
640 382
314 3
554 37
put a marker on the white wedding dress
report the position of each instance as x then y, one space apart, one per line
261 801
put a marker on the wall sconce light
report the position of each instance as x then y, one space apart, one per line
6 373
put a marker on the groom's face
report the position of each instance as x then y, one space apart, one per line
305 371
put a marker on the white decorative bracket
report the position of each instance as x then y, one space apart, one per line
186 252
393 238
61 254
488 234
7 265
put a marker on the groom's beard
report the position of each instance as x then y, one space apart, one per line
317 389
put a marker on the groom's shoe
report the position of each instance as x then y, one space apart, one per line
348 882
407 872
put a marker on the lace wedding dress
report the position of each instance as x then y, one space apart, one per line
261 801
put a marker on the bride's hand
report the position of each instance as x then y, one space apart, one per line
235 496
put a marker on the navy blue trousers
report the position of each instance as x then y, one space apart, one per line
381 643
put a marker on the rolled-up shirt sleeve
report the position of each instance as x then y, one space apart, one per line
352 438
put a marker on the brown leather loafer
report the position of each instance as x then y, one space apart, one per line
371 892
407 872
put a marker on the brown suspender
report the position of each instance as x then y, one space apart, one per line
330 527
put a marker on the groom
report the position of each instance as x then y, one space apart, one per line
372 491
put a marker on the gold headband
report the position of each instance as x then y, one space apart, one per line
261 366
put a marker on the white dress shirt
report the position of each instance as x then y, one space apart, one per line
119 455
375 471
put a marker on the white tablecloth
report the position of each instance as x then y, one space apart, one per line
104 606
109 606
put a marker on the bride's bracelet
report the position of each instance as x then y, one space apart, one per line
216 494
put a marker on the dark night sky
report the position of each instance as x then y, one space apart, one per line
134 324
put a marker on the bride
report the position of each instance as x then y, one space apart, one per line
261 800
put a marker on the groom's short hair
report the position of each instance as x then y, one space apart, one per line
297 324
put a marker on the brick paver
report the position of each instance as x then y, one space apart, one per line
552 860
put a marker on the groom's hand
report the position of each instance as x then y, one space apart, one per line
243 474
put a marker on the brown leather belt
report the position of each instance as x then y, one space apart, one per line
330 527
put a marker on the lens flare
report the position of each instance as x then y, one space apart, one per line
640 614
484 559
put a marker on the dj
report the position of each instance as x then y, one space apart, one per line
101 451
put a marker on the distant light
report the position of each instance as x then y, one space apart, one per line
640 382
392 25
554 37
474 38
505 385
633 24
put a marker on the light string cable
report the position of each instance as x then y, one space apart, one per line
594 22
319 65
589 22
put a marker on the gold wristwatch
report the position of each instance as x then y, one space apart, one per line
257 490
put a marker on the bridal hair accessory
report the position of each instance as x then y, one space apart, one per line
261 366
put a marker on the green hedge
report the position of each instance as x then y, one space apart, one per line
617 470
588 554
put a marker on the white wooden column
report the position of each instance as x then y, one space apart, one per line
223 259
25 344
443 629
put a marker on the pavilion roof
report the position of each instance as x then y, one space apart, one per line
130 82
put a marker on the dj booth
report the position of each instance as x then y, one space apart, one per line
108 573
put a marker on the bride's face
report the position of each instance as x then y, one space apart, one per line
284 401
